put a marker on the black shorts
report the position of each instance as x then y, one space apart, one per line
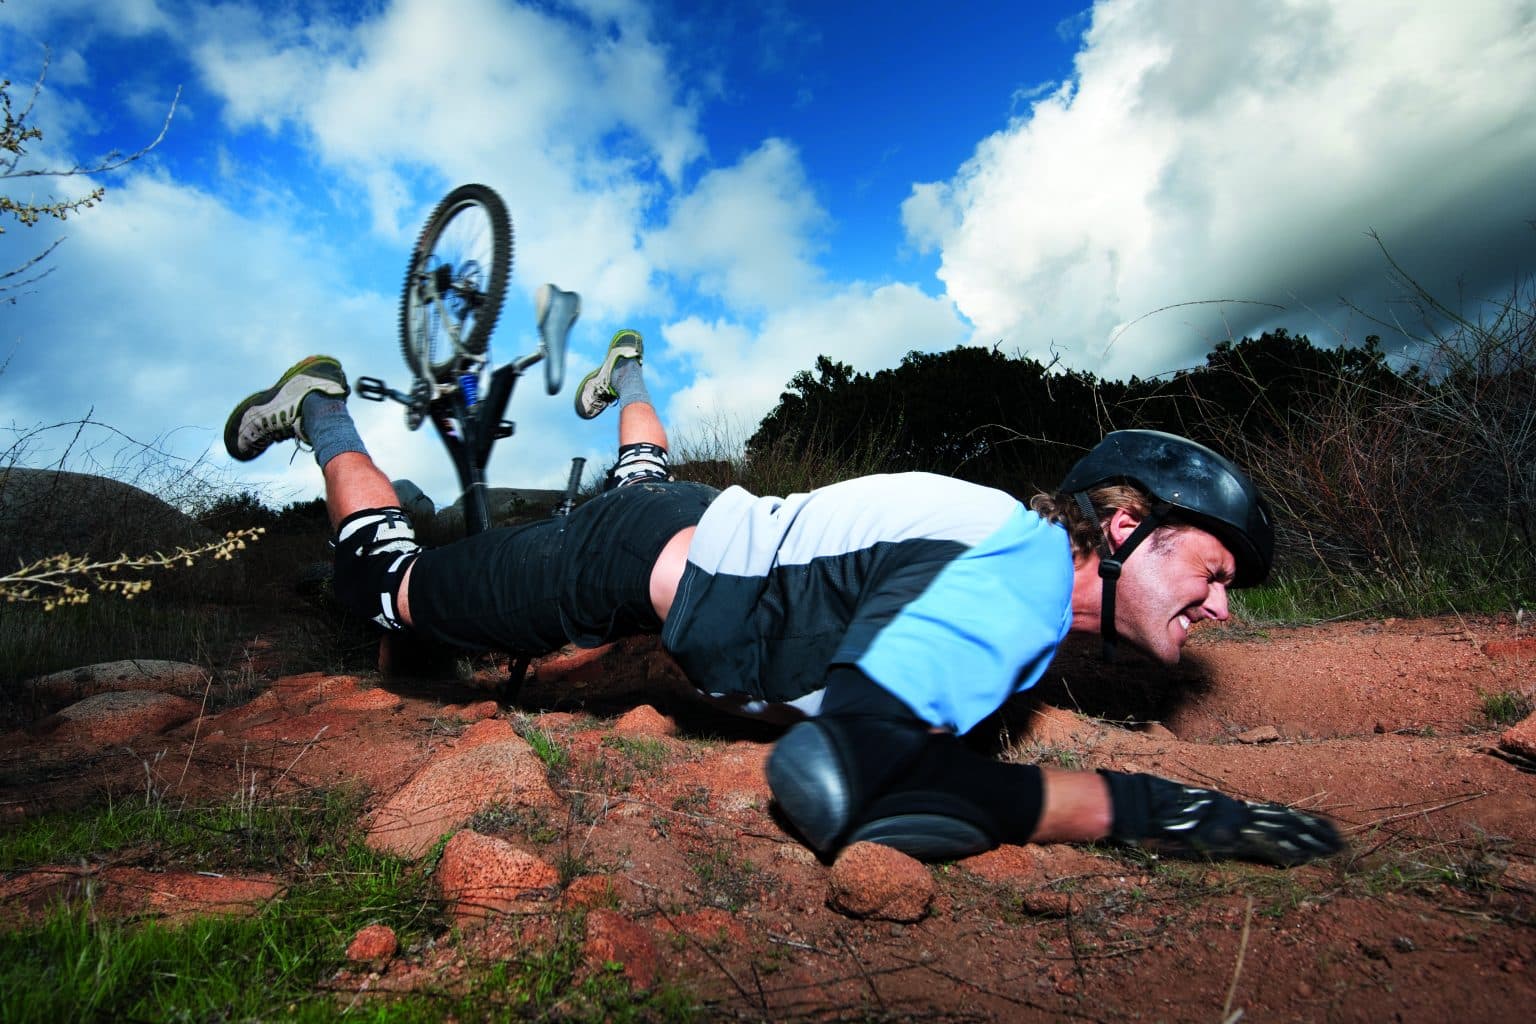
584 578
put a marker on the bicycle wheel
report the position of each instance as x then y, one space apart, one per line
455 283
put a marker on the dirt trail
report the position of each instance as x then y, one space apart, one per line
1381 725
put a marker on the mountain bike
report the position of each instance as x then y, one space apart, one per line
455 284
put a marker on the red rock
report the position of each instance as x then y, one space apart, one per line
117 717
374 943
870 880
1261 734
1523 649
367 700
487 730
708 926
644 721
1057 727
448 791
482 875
1521 737
173 897
74 684
476 712
591 891
613 938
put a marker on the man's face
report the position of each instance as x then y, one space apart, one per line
1176 578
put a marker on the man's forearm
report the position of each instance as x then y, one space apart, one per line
1076 808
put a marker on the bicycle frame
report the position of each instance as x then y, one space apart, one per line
468 430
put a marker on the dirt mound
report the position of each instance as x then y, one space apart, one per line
656 818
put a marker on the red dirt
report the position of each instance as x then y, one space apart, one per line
1380 725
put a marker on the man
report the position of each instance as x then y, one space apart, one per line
885 616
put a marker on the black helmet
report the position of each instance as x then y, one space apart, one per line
1188 483
1198 486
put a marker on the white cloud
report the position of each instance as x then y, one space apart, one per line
746 233
1241 151
571 117
738 373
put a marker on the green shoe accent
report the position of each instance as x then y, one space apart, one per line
596 391
273 415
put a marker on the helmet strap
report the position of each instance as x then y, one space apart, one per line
1111 561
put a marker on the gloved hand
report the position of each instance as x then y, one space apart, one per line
1189 821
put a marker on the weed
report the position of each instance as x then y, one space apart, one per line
1507 708
1031 752
726 880
645 754
550 752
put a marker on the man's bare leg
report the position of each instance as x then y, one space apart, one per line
639 424
353 483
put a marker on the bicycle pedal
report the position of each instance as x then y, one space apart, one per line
371 388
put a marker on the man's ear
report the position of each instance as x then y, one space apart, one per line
1120 525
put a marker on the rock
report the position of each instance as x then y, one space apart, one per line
1519 875
1262 734
415 502
110 718
593 891
367 700
645 722
448 791
1057 727
178 677
374 944
1521 737
1046 902
172 897
1521 650
482 875
476 712
613 938
874 881
50 512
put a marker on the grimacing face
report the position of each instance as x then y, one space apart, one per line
1177 577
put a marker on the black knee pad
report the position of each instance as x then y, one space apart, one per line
823 771
374 548
953 803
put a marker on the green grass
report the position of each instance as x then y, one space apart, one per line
645 754
73 966
34 642
1461 587
726 879
1508 707
544 745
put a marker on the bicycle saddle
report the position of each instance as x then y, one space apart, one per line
557 310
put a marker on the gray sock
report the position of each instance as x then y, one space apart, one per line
629 382
328 427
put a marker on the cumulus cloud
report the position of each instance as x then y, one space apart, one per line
569 114
1242 151
737 373
746 234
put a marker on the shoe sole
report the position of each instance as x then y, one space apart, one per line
232 425
590 406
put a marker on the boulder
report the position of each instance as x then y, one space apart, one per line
49 512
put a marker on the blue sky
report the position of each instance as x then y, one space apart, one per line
748 185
